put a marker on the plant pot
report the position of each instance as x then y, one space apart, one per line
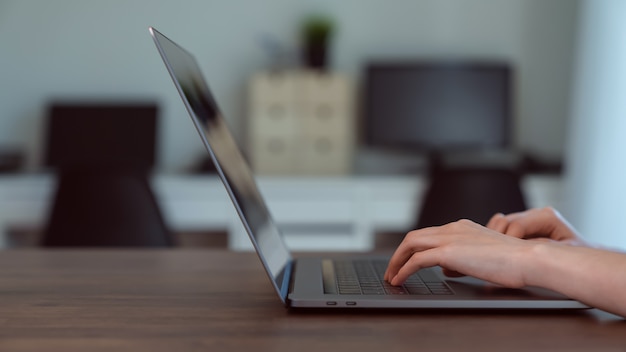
315 55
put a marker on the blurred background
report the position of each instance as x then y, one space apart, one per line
546 72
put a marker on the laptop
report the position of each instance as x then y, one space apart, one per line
310 282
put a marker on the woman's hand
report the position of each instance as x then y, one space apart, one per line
544 224
502 255
464 247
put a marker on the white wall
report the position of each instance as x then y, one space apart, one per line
80 48
596 174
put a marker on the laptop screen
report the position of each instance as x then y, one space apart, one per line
229 162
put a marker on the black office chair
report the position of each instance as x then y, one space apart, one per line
103 154
474 193
105 208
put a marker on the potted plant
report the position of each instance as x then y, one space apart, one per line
316 33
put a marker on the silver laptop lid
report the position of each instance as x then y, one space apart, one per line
229 162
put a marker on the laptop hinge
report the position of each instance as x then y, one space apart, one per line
286 282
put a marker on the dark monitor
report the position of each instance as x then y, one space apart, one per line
101 135
438 106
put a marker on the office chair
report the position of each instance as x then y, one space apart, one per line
474 193
105 208
103 155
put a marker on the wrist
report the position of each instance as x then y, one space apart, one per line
535 263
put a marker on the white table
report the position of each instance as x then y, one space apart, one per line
316 213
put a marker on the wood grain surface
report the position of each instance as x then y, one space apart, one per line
215 300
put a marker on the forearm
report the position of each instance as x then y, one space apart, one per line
592 276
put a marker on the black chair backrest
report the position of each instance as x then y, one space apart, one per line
103 153
101 134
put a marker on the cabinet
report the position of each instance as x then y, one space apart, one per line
300 123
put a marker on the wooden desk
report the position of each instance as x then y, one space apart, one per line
192 300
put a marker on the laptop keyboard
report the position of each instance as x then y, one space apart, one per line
365 277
